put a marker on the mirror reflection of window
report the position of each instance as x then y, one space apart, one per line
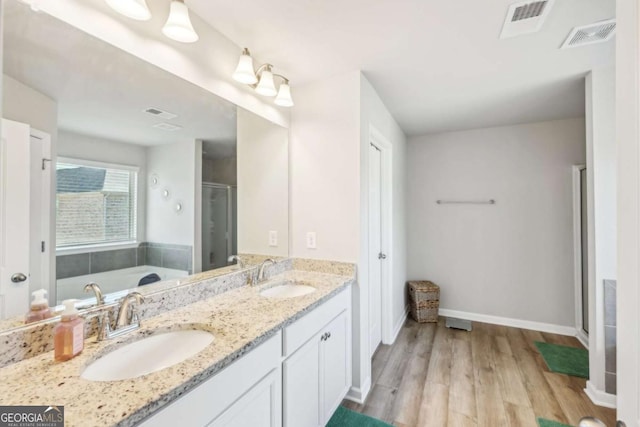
94 205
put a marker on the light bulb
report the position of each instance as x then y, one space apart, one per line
134 9
178 26
244 71
284 95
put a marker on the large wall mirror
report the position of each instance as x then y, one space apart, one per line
117 172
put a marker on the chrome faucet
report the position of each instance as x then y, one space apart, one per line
127 316
261 277
96 290
127 319
236 258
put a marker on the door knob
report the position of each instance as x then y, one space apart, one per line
18 277
382 256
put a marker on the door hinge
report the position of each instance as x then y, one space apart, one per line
42 246
44 163
382 256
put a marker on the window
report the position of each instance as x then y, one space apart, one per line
95 203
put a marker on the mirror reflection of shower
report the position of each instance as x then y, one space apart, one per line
219 205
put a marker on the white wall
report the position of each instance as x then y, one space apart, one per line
85 147
263 185
325 174
628 183
513 259
23 104
175 166
601 186
330 135
208 63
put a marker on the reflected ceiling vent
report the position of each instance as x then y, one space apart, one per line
160 113
168 127
525 18
590 34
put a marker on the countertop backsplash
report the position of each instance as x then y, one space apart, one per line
31 340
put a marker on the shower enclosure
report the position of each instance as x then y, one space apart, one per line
219 224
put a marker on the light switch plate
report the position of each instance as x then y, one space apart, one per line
311 240
273 238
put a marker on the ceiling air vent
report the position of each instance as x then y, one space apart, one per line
160 113
525 18
590 34
167 127
528 11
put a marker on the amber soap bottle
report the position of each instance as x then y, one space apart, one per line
68 335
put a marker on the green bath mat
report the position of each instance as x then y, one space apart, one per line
548 423
565 360
343 417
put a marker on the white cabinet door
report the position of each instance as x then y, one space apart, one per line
259 407
335 365
301 382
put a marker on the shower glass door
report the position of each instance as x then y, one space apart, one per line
218 225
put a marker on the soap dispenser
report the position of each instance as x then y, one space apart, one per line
39 309
68 335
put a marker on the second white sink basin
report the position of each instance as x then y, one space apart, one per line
287 290
148 355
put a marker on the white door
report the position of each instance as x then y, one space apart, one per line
375 248
14 223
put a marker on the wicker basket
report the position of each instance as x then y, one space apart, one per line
425 301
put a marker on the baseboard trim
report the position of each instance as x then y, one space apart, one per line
398 326
583 338
515 323
599 397
359 394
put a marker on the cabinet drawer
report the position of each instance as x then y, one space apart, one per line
299 332
207 401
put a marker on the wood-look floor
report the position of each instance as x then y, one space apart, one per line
494 376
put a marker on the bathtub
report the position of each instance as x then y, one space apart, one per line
113 282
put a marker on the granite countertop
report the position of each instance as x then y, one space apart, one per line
239 319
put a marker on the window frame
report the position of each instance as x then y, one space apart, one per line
133 186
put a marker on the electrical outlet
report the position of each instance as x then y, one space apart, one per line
311 240
273 238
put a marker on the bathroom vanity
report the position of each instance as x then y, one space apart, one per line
298 377
273 361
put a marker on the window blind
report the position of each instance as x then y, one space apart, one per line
94 205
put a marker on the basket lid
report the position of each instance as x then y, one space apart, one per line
423 285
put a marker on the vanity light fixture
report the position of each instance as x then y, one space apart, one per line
262 80
134 9
178 26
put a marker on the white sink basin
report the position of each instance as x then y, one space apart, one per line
148 355
287 290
